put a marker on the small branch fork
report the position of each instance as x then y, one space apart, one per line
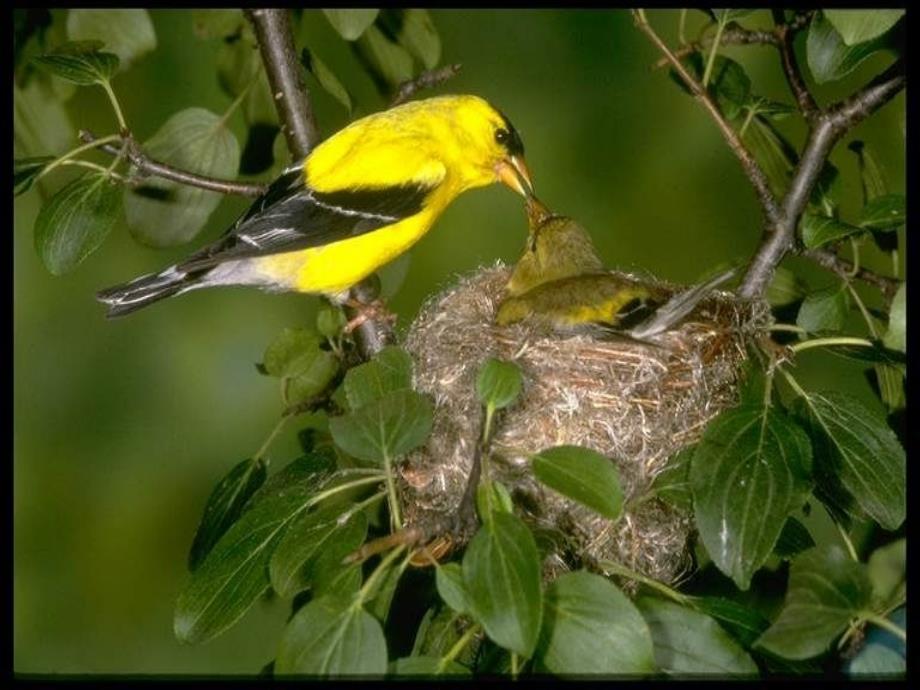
826 127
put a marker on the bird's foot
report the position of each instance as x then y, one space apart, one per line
375 310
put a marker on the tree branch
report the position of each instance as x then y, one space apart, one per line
829 126
426 80
292 100
751 168
786 35
733 34
844 268
148 166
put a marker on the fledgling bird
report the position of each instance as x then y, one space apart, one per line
357 201
560 282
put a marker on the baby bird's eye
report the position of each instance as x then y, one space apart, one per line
502 136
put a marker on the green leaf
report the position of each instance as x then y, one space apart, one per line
871 174
235 572
672 485
225 505
501 574
826 589
449 580
331 636
127 33
41 124
385 428
744 623
162 213
440 629
896 335
691 643
887 212
785 288
498 383
818 230
74 223
856 454
328 574
330 320
381 597
217 23
829 58
749 472
591 627
238 66
857 26
426 666
794 539
388 63
325 77
283 355
823 310
301 477
491 497
25 170
728 82
582 475
773 151
310 535
418 35
887 573
351 23
80 62
389 371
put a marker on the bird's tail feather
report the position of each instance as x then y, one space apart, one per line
128 297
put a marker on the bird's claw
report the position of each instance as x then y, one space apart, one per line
367 311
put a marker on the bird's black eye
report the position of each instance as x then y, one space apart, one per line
502 136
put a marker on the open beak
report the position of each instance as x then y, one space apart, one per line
537 212
514 173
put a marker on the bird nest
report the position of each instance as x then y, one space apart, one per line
635 403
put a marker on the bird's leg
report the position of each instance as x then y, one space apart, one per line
375 309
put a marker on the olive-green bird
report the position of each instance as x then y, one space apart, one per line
560 282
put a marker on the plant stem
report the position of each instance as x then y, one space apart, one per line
271 437
622 570
395 518
862 310
886 624
323 495
76 152
95 166
514 666
681 25
847 541
714 49
791 328
374 576
458 647
122 125
827 342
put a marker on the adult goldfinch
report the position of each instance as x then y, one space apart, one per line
358 200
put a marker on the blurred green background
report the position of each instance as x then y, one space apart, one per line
122 428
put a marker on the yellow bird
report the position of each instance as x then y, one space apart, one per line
557 247
357 201
560 282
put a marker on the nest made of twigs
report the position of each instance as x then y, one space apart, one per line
635 403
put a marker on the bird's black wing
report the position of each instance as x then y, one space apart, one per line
290 216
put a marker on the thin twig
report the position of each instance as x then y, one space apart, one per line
827 129
285 78
426 80
844 268
803 97
733 35
751 168
148 166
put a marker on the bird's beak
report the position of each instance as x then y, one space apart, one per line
514 173
537 212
